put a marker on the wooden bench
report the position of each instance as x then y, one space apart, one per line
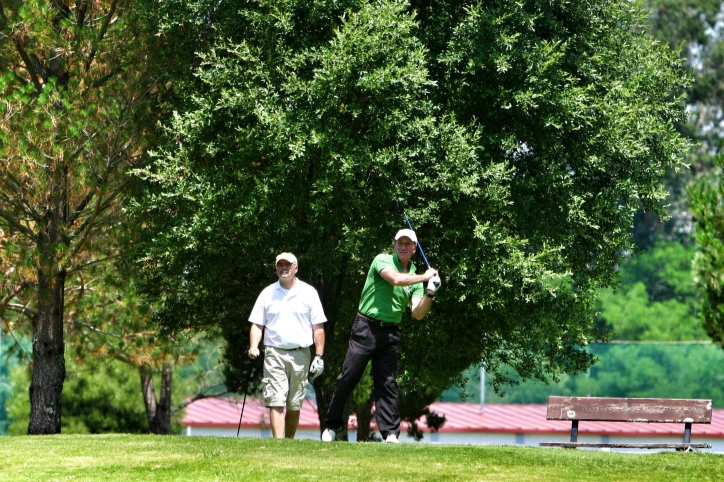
660 410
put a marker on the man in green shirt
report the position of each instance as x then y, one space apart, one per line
392 285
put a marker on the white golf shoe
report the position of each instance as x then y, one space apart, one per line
392 439
329 435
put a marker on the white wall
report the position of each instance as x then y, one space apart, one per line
470 438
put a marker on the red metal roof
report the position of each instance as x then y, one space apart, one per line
460 417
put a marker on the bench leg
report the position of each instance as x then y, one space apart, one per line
574 431
687 433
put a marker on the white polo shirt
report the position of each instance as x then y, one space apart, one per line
288 315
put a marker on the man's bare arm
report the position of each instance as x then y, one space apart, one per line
254 340
420 307
395 278
319 338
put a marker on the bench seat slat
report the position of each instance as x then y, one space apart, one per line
603 409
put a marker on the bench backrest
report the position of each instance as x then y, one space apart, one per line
629 409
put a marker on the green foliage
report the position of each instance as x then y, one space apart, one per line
665 269
98 397
623 370
707 205
8 360
17 404
521 137
688 371
181 459
104 395
657 299
632 316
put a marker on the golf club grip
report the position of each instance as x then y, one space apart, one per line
422 251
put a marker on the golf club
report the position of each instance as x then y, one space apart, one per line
401 210
248 380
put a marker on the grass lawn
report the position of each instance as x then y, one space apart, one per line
117 458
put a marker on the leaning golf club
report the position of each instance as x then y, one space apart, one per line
401 210
248 381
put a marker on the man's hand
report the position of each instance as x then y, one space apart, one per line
253 352
316 368
430 273
434 284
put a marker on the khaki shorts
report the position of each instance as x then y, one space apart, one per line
285 377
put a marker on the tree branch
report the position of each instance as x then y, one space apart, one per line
23 53
13 185
17 206
80 235
22 309
80 13
18 289
99 82
95 330
199 396
101 34
13 221
90 263
81 206
63 9
12 334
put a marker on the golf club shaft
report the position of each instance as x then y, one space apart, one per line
422 251
248 381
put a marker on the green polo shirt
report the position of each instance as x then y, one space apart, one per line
381 300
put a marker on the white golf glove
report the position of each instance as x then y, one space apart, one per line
316 368
434 284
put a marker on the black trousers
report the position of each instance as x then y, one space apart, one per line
370 341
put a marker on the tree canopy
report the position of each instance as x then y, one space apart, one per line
521 137
707 205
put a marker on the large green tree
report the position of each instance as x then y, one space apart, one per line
75 84
521 137
707 205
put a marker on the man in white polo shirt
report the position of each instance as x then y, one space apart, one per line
292 314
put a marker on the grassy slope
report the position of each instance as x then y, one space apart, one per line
118 458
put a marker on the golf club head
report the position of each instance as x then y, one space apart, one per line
397 206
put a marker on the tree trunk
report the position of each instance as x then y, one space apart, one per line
158 412
46 385
48 370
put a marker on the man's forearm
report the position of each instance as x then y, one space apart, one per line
404 279
319 338
254 335
395 278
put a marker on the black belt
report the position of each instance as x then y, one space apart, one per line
291 349
384 324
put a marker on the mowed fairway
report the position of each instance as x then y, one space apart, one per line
117 458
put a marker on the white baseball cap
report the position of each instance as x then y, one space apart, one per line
287 257
406 233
